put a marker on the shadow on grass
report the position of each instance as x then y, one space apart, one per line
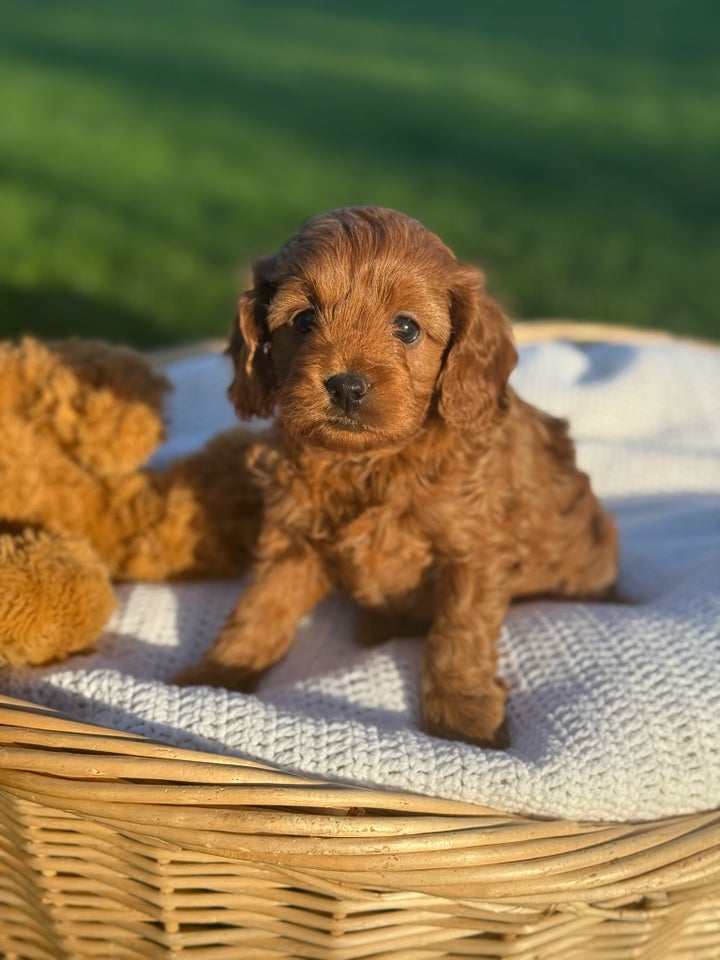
49 312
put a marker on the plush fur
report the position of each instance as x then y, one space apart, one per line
427 490
77 418
55 595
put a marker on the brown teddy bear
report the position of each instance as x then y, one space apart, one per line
77 419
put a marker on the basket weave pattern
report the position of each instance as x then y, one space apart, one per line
114 846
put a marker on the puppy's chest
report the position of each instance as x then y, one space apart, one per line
375 537
380 555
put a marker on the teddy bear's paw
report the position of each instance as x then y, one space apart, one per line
55 596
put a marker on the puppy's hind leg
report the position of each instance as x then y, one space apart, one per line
592 568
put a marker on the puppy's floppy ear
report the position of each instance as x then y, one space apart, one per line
253 388
480 357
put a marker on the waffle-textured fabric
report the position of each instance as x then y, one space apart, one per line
614 708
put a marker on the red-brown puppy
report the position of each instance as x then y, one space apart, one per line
406 472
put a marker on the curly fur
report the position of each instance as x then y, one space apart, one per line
440 499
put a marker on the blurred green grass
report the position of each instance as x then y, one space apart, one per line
150 150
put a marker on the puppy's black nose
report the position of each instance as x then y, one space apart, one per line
347 390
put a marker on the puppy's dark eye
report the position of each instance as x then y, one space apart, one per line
405 329
304 321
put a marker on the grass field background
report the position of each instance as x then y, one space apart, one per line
150 149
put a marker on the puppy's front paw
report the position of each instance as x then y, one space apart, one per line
476 718
236 661
214 674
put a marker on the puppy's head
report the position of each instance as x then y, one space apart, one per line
362 327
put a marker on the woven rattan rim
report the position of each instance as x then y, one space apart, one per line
340 835
348 838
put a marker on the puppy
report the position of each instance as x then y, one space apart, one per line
406 472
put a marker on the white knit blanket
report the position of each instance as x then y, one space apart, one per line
614 709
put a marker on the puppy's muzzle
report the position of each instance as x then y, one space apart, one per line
347 391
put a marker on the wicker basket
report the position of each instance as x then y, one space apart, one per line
114 846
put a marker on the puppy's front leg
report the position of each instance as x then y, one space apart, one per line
261 627
462 698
